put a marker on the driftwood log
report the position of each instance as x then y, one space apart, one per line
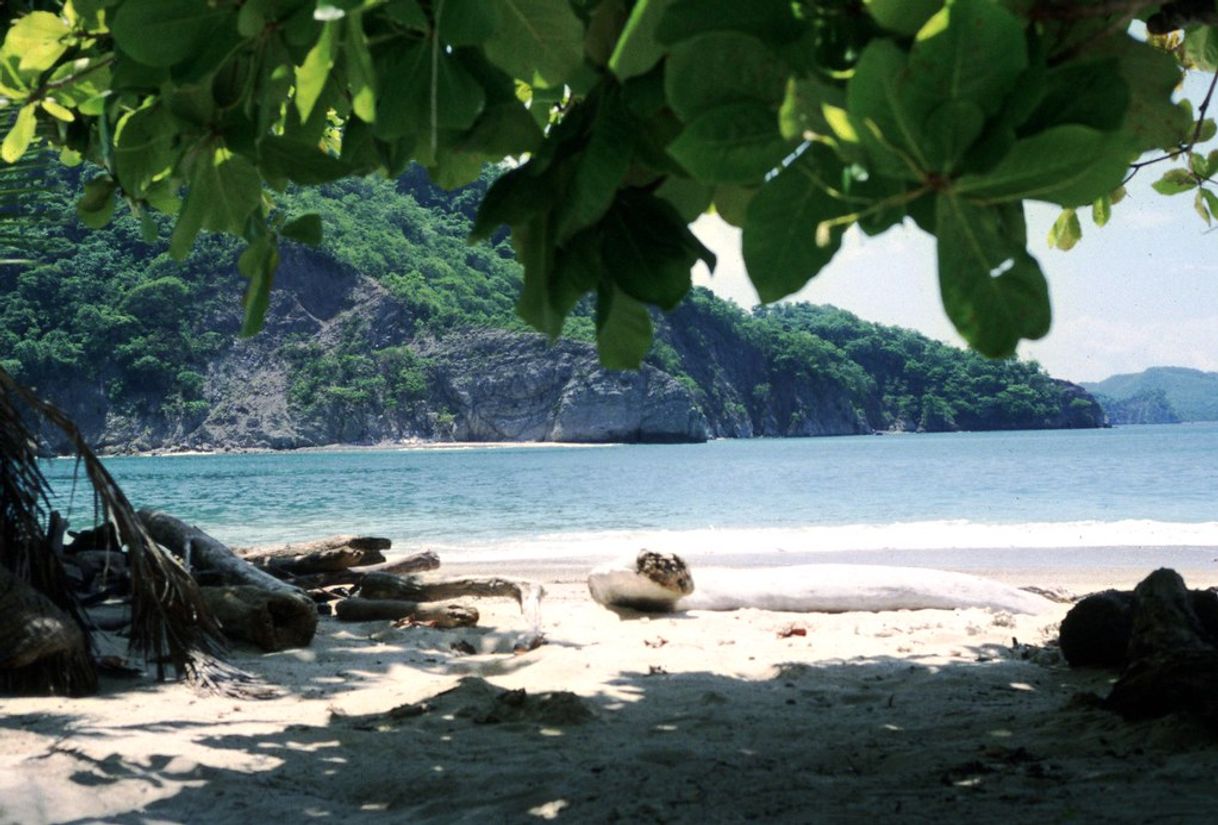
441 616
270 620
411 588
416 563
326 555
294 615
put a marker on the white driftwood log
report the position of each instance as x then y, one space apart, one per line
812 588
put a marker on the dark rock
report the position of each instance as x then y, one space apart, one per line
1095 633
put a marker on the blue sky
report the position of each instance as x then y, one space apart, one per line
1139 292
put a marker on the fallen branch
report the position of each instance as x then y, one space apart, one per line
410 588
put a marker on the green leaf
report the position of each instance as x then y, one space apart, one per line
648 250
970 50
38 39
144 148
878 94
419 106
258 263
283 159
361 74
719 68
467 22
732 203
1066 165
165 32
21 135
535 250
1084 92
637 49
992 289
1208 130
780 245
903 17
305 229
538 41
1201 47
1201 207
1152 119
1101 210
600 168
734 143
225 189
312 74
408 13
1174 181
1066 231
688 197
1199 164
1211 201
768 20
623 329
96 205
803 107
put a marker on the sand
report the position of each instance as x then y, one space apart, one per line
904 716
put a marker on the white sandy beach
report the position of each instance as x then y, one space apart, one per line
909 716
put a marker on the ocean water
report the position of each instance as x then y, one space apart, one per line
1127 496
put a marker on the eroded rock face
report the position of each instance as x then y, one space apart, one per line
504 386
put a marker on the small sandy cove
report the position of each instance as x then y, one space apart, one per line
908 716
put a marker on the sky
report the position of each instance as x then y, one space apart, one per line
1140 292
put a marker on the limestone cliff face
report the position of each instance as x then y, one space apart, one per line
504 386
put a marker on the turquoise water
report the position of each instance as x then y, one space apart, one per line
1128 488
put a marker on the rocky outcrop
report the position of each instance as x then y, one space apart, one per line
505 386
1145 407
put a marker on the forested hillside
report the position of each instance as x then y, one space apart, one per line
1174 393
397 328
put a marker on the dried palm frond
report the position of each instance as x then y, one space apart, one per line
170 623
43 640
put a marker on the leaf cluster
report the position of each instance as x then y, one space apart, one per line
626 120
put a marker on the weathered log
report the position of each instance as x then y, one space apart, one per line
270 620
442 616
330 560
304 548
295 613
1173 666
416 563
322 556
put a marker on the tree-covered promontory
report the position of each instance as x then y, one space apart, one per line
367 335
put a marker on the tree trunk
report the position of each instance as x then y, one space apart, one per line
416 563
295 614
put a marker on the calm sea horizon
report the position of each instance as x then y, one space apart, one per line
1072 498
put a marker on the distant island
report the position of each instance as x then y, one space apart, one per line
1159 395
396 329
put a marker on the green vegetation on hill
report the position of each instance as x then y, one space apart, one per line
1191 394
110 312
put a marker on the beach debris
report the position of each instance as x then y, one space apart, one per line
406 614
658 641
792 629
292 613
270 619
